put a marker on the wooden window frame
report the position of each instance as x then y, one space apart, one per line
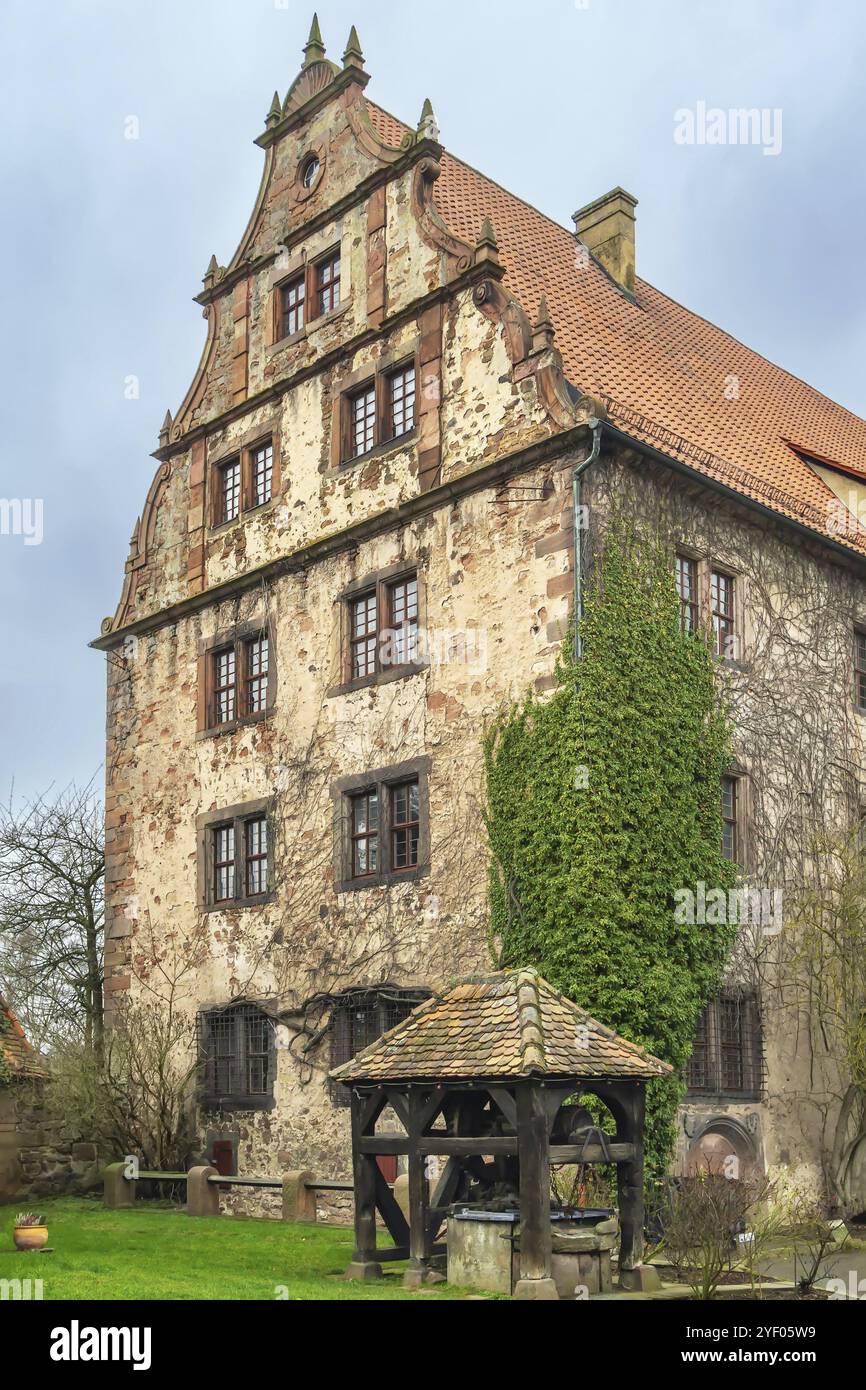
384 781
691 606
722 617
245 455
369 395
382 585
405 826
734 820
377 379
366 836
860 669
307 272
299 308
220 491
238 818
241 640
320 287
238 1024
388 377
710 1046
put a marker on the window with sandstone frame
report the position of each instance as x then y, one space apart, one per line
235 857
308 292
237 1057
383 829
359 1017
727 1053
245 482
378 412
381 628
238 677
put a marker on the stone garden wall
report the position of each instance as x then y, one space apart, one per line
38 1159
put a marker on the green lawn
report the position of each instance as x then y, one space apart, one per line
159 1253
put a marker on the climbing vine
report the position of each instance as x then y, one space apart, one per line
602 801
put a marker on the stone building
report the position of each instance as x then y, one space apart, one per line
359 542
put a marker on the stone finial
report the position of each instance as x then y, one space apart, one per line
314 49
210 273
353 56
165 429
275 112
543 332
428 128
487 247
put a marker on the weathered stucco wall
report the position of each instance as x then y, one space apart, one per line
477 500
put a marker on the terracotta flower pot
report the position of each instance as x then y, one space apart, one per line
30 1237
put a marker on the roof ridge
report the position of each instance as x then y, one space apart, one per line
532 1055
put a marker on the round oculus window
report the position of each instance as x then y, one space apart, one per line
310 171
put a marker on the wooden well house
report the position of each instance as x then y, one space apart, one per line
486 1077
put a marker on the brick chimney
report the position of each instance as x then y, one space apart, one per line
606 228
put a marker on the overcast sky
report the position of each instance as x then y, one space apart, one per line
105 239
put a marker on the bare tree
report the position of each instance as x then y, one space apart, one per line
137 1097
822 976
52 862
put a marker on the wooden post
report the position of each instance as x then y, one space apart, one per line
634 1275
364 1264
419 1270
536 1243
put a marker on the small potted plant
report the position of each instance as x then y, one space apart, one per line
29 1231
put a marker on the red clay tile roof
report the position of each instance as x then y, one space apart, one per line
15 1050
662 369
510 1024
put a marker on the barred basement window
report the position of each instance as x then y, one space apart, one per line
237 1057
727 1055
360 1016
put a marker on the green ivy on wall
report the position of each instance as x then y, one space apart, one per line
602 801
